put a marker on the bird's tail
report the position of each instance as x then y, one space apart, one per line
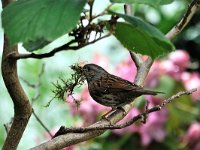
149 92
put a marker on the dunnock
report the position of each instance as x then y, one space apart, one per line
110 90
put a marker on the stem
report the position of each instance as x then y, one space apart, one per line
194 5
22 107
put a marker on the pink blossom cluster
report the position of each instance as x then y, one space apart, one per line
192 136
174 66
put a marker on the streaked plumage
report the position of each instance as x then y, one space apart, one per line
110 90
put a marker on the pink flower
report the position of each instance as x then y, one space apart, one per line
193 135
169 68
180 58
178 61
153 100
154 128
126 69
70 101
190 81
197 146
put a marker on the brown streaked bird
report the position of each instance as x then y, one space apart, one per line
110 90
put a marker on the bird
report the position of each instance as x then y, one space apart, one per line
110 90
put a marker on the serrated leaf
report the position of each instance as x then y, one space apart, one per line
141 37
153 3
32 20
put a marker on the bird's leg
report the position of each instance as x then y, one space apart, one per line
113 109
122 109
105 116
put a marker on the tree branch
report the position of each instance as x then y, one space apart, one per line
44 55
56 50
22 107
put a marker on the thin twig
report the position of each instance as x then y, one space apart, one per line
63 130
185 20
136 58
91 2
44 55
28 83
38 84
42 124
53 52
92 42
37 95
8 125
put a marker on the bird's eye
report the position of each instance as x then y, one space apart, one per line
88 69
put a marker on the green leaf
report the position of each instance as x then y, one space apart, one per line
34 45
141 37
31 20
153 3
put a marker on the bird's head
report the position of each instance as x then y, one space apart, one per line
93 72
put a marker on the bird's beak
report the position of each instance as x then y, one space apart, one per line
84 71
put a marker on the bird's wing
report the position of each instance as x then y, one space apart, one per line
116 84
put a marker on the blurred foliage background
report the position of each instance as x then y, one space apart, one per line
180 126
